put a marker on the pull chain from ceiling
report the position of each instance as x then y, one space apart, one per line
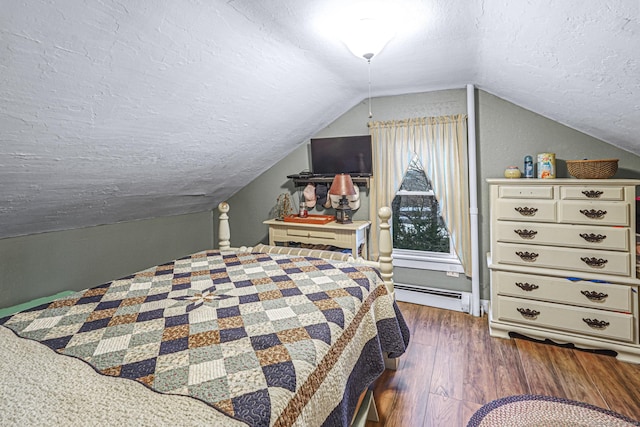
368 57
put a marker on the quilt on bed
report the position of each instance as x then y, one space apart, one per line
266 339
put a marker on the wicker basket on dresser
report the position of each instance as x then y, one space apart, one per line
563 262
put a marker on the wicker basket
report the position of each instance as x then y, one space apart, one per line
593 169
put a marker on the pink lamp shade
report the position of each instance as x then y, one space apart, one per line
342 186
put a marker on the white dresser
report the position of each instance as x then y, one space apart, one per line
563 262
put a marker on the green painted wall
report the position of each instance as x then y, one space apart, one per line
43 264
505 134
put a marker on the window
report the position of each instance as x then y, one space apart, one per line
420 236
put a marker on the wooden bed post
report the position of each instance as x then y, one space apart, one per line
386 248
224 232
385 261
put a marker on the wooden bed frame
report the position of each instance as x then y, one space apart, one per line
366 409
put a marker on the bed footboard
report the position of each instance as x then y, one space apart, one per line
384 263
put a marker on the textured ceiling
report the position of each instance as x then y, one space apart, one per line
113 111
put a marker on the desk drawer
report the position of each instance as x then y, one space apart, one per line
560 290
600 323
320 234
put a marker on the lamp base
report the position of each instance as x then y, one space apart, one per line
343 212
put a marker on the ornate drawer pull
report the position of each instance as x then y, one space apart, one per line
593 194
525 211
594 262
593 238
528 256
593 214
528 313
596 324
594 296
527 287
526 234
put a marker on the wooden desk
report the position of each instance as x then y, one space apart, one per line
350 236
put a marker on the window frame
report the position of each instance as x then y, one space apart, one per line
425 260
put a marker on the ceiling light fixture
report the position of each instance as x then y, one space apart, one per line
365 38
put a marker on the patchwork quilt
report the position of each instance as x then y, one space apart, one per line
267 339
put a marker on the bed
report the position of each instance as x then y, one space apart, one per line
233 336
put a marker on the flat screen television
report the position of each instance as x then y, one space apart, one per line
345 154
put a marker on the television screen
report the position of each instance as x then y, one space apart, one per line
346 154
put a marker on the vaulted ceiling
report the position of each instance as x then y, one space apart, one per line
113 111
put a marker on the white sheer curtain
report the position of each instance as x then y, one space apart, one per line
441 145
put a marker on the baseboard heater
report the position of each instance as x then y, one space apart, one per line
434 297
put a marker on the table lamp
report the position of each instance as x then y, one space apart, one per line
343 186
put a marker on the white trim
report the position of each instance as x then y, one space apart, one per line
440 298
473 200
430 297
484 306
415 193
426 261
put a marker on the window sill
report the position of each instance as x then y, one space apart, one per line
427 263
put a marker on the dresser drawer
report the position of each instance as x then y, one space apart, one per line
526 210
592 192
599 213
578 236
600 262
555 289
600 323
526 192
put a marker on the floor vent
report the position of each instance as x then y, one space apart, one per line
433 297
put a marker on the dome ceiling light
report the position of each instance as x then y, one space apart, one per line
365 38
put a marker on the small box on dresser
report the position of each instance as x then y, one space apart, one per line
563 262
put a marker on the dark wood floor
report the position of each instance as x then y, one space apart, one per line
453 367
